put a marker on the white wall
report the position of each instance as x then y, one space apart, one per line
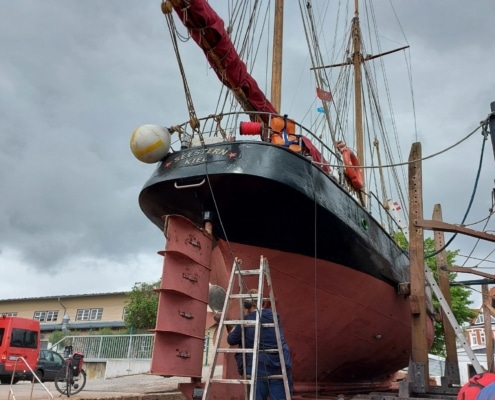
116 368
465 362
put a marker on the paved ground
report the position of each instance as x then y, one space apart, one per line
143 386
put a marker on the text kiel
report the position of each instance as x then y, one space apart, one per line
198 156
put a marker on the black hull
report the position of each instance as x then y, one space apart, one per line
268 196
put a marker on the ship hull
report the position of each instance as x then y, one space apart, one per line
268 196
335 270
345 329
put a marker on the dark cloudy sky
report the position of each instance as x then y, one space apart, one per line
77 77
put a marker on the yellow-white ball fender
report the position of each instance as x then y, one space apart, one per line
150 143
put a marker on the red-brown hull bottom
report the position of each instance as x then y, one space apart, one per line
342 326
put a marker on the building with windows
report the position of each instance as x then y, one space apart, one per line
475 332
86 314
476 338
83 313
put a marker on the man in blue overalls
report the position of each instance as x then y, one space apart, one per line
268 363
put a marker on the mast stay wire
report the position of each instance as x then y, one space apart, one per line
487 219
315 56
419 159
194 121
246 38
480 163
476 245
314 49
393 174
384 137
409 68
322 82
243 39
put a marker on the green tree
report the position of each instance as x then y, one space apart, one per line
141 309
460 301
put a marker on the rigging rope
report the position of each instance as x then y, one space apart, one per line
485 137
413 161
193 120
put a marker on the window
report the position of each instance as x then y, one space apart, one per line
46 316
89 314
10 314
482 336
52 357
480 320
124 313
24 338
474 338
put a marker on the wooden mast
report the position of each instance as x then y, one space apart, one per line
278 29
357 59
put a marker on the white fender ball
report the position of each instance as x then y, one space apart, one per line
150 143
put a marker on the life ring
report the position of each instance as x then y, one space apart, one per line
354 174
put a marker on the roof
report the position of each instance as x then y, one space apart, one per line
66 296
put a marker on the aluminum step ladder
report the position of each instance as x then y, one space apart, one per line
249 382
450 316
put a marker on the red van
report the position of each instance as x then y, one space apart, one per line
19 337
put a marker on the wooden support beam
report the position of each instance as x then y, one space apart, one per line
468 270
418 370
452 376
444 227
487 317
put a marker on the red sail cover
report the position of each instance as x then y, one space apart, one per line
316 155
207 30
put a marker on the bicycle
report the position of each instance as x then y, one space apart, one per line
71 379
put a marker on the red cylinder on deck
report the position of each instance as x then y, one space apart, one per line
250 128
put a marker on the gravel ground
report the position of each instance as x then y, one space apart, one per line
142 386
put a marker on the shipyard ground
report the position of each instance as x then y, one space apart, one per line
132 387
147 387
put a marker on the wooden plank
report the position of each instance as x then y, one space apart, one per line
488 330
419 356
445 227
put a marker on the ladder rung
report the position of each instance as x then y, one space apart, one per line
248 322
248 296
234 381
245 322
233 350
242 350
247 271
271 377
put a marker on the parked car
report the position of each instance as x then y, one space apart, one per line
49 363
